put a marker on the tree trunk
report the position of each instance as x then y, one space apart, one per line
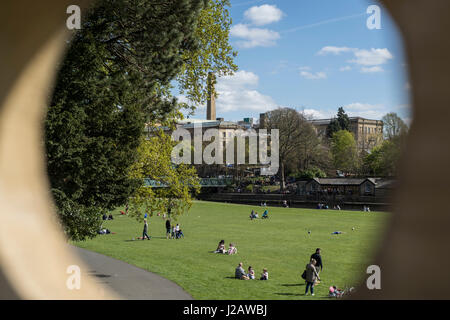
282 184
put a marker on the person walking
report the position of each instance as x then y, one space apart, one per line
168 229
311 276
144 233
316 256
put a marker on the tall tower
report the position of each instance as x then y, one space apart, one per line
211 103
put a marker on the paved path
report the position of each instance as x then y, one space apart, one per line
128 281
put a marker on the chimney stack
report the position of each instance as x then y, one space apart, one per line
211 104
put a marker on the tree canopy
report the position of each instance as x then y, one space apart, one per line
342 122
393 125
116 77
344 151
180 182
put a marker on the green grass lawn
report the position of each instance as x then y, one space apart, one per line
281 244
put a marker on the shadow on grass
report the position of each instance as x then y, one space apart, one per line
289 294
151 238
293 285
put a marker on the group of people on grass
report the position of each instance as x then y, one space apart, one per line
254 215
325 206
105 217
221 248
173 231
250 274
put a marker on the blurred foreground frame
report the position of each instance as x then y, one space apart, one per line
34 255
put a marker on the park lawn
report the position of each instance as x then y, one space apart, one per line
281 244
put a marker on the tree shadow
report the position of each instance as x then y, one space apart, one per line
293 285
289 294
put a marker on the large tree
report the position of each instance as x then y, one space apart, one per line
297 137
341 122
344 151
116 77
393 125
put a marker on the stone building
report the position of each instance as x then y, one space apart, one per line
368 133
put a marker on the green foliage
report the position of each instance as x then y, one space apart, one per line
154 162
342 118
79 222
249 188
312 173
342 122
333 127
115 76
344 152
213 54
383 159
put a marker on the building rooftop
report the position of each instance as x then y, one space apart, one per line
342 181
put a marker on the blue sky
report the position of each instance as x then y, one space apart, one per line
313 55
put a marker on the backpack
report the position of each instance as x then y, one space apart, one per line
304 275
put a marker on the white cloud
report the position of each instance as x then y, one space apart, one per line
371 69
313 76
346 68
316 114
262 15
238 92
365 110
369 61
254 37
333 50
374 57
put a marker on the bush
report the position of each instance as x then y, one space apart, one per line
79 222
311 173
249 188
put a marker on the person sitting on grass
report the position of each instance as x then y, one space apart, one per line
264 275
252 215
256 215
220 247
104 217
180 233
265 214
110 217
251 273
240 272
232 249
335 292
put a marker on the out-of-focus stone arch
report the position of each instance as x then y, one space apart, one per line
414 256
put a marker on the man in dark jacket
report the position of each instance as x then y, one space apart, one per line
316 256
144 233
168 229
